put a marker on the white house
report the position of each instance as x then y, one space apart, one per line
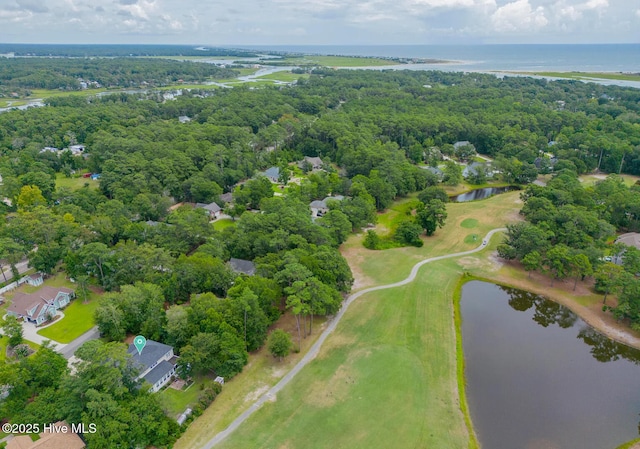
156 363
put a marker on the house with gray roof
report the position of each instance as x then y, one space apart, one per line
319 208
273 174
226 198
212 209
156 363
312 163
242 266
435 170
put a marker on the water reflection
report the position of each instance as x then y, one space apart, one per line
547 312
538 376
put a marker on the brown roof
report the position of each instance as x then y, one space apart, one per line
22 302
630 239
48 440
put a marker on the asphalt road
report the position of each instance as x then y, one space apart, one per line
313 351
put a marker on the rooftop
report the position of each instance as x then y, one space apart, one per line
152 352
243 266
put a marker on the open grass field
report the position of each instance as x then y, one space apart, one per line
75 182
334 61
591 179
284 76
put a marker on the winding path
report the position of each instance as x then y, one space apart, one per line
315 348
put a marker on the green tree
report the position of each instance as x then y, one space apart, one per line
279 343
30 197
408 232
532 262
12 329
431 216
371 240
608 277
338 225
110 321
580 267
452 174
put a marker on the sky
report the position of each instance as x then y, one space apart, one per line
319 22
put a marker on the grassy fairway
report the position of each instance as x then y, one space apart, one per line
283 76
386 378
383 267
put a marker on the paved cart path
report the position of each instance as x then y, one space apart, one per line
315 348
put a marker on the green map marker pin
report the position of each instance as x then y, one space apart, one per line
139 342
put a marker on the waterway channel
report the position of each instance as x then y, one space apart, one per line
538 377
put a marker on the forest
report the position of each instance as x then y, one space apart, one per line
164 266
111 51
68 74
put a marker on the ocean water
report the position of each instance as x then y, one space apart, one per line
583 58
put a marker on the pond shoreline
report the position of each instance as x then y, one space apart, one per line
601 321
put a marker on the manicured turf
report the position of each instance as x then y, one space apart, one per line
175 401
223 223
386 378
472 238
78 319
469 223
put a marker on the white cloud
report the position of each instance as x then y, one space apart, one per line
638 12
518 16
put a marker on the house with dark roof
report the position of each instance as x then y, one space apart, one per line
40 306
310 163
435 170
226 198
242 266
156 363
212 209
463 143
319 208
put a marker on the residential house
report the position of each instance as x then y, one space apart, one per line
273 174
436 171
227 198
49 150
40 306
462 143
319 208
35 279
311 163
212 209
242 266
156 363
57 436
184 119
472 169
77 150
628 239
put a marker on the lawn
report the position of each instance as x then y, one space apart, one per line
75 182
223 223
78 317
176 401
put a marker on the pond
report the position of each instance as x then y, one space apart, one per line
480 194
540 377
